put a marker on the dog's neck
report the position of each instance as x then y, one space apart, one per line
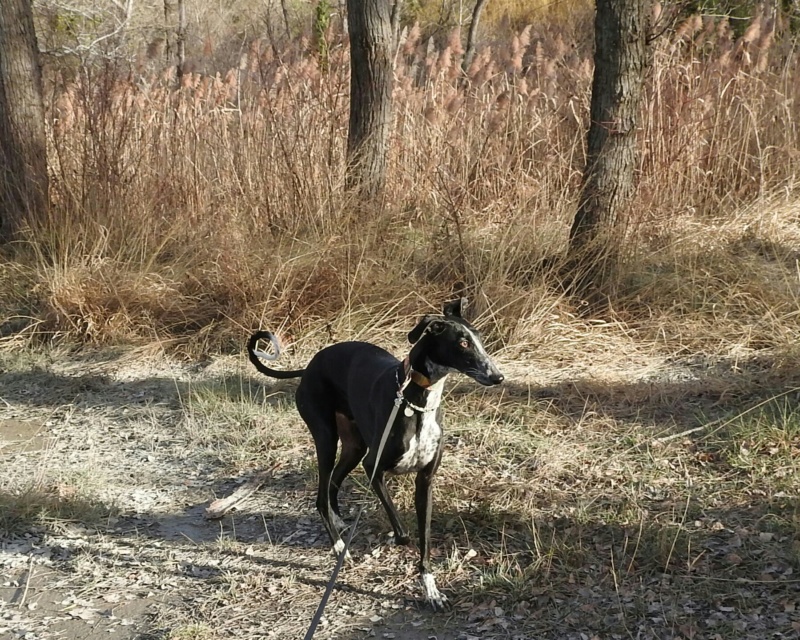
423 391
422 370
416 376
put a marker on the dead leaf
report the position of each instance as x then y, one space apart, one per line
83 613
486 626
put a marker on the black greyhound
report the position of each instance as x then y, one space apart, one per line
347 393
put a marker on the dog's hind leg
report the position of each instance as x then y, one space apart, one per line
326 456
321 421
353 450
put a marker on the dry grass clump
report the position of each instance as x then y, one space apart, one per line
42 505
724 283
210 206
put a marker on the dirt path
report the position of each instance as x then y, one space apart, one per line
110 449
107 463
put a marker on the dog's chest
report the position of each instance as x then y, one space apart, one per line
424 442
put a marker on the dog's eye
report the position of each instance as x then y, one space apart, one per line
464 344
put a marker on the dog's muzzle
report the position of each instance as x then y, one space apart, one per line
490 377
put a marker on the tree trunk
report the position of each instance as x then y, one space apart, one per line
169 32
397 9
285 11
180 39
371 79
469 51
622 56
23 143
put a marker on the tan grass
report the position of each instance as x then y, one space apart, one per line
49 505
190 215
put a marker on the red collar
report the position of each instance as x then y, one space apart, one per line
416 376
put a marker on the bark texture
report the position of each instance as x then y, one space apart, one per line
469 51
180 39
622 57
23 142
169 30
371 80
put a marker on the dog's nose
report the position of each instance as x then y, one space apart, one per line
497 378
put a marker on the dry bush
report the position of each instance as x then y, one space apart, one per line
209 206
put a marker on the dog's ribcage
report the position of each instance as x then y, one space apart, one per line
423 445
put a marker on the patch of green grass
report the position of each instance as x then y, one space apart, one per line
764 446
241 423
508 573
558 546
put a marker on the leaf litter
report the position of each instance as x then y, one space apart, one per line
134 452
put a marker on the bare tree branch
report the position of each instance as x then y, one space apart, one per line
469 51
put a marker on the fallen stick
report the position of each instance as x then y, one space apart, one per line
675 436
221 506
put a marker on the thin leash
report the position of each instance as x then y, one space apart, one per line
340 561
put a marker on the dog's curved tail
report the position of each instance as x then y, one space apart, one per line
256 356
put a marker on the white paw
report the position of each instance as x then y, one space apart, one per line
338 547
432 595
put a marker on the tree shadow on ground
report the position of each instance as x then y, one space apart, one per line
733 573
681 395
45 389
725 570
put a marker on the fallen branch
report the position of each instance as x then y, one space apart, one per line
220 507
675 436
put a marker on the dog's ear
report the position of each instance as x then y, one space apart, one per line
454 308
416 333
437 326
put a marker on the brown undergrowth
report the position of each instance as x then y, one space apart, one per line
188 214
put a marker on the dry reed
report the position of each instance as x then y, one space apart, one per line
208 208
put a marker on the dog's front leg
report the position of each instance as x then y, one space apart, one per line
379 487
423 503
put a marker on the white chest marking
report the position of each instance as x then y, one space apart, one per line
423 445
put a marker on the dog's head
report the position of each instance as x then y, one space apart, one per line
451 342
